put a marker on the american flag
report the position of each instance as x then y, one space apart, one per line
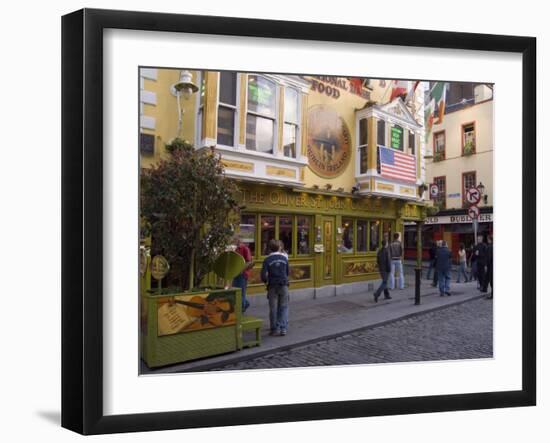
396 165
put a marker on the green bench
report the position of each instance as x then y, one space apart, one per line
251 324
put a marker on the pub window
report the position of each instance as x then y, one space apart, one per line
362 235
397 137
439 146
285 232
227 108
363 141
146 144
247 231
261 112
290 127
347 236
381 132
412 141
303 237
440 199
267 223
374 235
468 139
468 181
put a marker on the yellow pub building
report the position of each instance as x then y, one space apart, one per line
305 151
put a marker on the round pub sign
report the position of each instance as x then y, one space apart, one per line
328 142
159 267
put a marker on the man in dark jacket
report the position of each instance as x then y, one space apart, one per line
384 266
481 254
275 275
443 267
489 277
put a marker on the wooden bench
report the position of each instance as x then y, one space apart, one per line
251 324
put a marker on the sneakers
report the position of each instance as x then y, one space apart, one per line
387 297
376 298
448 294
282 333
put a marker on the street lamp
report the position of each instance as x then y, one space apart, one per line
186 88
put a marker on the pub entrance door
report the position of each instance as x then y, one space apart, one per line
328 269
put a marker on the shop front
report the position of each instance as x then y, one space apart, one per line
331 239
454 226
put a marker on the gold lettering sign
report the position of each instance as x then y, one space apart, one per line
281 172
296 200
407 191
328 142
385 187
239 166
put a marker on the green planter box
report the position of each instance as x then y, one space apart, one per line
180 327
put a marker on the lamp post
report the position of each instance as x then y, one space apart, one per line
186 88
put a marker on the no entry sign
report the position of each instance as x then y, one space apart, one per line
473 196
473 212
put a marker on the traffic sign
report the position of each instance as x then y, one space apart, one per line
473 196
434 190
473 212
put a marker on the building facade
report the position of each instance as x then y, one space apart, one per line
460 156
327 165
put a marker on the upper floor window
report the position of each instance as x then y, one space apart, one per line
412 143
227 108
468 181
381 132
468 139
363 141
439 146
440 200
290 124
261 114
397 137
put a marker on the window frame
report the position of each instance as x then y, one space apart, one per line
438 198
462 133
444 152
274 118
234 108
365 146
296 124
294 220
464 202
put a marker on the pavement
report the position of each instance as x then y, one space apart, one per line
322 319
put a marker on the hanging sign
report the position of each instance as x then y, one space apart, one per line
159 267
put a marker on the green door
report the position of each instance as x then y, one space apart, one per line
328 269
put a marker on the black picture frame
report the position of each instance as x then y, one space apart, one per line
82 218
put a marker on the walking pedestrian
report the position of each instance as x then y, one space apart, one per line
462 264
396 252
384 267
437 247
241 280
275 275
444 269
490 264
480 252
433 250
473 265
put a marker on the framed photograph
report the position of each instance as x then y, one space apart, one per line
270 221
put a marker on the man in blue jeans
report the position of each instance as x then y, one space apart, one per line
396 252
443 267
275 275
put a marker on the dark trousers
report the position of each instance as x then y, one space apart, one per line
490 276
383 286
482 276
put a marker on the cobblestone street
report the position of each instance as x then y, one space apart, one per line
461 331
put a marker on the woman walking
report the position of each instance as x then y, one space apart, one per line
462 264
